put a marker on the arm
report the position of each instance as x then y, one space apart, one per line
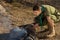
50 21
34 22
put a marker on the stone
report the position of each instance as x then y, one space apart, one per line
5 22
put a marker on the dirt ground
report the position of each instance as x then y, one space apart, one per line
21 15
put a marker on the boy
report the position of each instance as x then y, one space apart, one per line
45 14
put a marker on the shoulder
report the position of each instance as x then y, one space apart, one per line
49 7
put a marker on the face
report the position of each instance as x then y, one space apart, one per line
37 12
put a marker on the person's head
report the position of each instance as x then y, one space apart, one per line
36 10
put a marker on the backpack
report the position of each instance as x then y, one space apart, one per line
53 13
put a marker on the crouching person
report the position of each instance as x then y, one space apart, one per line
46 14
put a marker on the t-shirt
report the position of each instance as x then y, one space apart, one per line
52 12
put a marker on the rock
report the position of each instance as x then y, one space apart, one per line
5 22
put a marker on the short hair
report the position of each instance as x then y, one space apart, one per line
36 7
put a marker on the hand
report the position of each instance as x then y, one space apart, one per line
36 28
36 25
